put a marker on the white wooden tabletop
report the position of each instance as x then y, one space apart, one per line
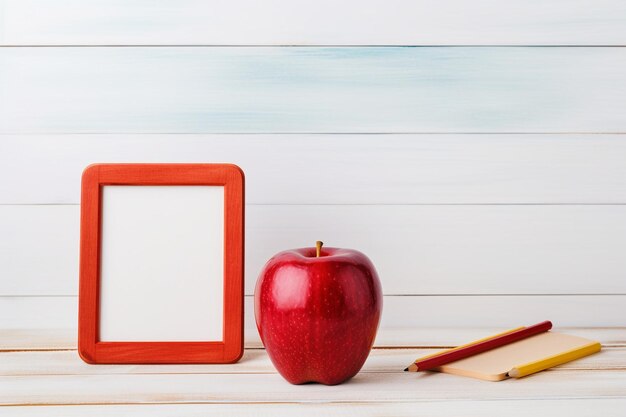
41 374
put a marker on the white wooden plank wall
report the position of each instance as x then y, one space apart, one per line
312 89
350 169
496 249
406 312
485 173
313 22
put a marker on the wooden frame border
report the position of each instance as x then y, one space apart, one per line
90 348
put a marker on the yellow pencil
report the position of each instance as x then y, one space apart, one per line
413 368
545 363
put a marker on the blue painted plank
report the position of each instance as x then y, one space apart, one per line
321 90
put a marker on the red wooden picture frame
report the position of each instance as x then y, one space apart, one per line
90 348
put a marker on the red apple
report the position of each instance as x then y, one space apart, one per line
317 311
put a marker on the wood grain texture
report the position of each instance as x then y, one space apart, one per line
607 407
398 312
281 169
254 361
64 339
323 22
483 249
365 387
50 378
319 90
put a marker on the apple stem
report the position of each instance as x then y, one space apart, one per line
318 248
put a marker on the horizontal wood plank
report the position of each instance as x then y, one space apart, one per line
423 312
364 387
483 249
57 339
318 90
350 169
235 387
323 22
254 361
607 407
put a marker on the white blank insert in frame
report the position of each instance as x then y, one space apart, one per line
162 263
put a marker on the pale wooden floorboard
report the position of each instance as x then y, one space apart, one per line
424 337
592 385
612 407
365 387
254 361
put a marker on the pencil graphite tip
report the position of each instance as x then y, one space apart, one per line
406 369
411 368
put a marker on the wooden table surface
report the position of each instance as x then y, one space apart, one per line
41 374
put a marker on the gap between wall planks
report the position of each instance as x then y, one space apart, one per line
319 90
322 22
416 249
343 169
417 312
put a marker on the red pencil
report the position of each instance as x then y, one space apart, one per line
458 354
